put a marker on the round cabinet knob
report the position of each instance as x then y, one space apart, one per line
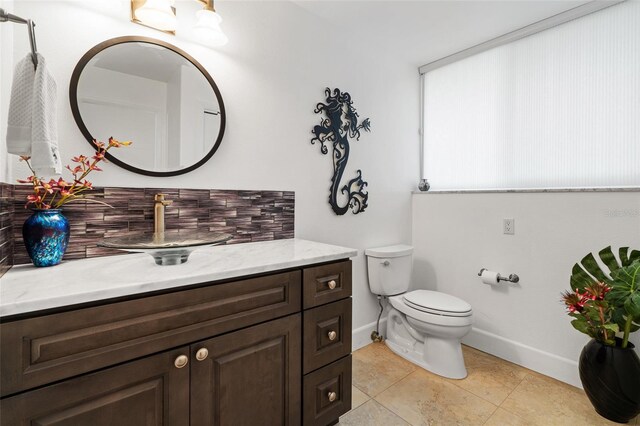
202 354
181 361
332 396
332 284
332 335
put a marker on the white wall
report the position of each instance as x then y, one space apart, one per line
6 70
455 235
196 98
174 120
114 104
271 75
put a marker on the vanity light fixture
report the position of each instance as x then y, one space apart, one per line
161 15
157 14
207 29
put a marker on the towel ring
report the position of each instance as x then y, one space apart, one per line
8 17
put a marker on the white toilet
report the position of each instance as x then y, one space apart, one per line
424 327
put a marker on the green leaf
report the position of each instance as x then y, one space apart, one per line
627 277
635 255
624 259
579 278
619 318
632 306
582 326
591 266
609 259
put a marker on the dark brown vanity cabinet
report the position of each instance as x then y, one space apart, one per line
243 352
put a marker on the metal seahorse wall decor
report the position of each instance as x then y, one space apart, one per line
337 127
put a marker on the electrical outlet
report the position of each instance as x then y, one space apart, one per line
508 226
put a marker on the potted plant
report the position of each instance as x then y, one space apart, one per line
606 306
46 231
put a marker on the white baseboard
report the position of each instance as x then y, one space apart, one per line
546 363
361 336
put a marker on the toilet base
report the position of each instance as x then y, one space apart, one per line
439 356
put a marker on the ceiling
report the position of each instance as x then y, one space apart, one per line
420 31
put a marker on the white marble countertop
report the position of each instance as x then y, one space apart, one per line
25 288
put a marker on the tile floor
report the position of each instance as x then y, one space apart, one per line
389 391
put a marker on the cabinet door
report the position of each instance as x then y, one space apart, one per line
249 377
150 391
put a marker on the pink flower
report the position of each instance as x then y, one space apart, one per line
45 193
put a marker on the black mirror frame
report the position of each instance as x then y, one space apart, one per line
73 99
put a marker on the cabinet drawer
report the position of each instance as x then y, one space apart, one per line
326 393
327 334
326 283
44 349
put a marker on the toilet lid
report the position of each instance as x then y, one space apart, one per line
437 303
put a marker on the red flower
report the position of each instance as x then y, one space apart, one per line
573 301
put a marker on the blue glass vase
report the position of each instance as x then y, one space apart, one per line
46 235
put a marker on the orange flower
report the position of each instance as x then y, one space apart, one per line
118 144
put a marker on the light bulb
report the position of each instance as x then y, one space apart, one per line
157 14
207 29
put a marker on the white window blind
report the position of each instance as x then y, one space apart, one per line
557 109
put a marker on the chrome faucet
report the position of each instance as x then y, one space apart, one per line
158 213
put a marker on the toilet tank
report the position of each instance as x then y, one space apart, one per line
389 269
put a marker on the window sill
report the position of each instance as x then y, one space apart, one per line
525 191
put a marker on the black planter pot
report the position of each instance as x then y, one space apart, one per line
610 376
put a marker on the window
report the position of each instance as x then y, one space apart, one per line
556 109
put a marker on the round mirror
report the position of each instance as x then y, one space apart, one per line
154 94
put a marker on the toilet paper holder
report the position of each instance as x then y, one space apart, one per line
512 277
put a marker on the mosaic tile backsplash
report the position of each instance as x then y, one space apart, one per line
6 224
247 215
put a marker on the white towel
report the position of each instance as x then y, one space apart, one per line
32 125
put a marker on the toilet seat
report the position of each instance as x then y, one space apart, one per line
437 303
445 320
